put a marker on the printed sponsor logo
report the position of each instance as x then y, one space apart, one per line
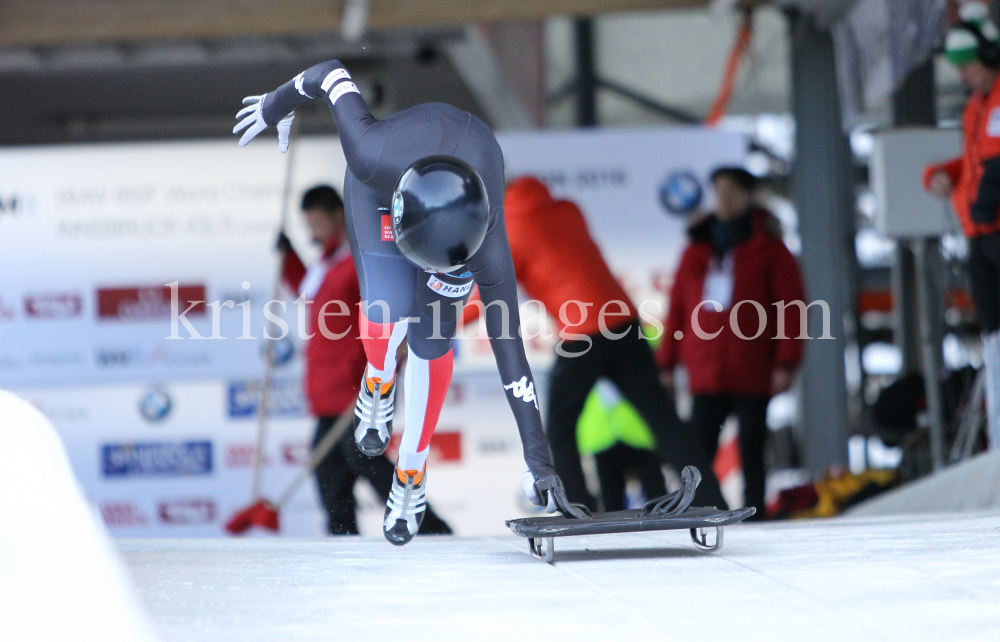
122 514
14 204
285 399
282 351
494 446
446 446
10 203
681 193
387 234
155 405
148 303
159 356
523 389
295 453
6 311
187 512
585 178
452 290
157 459
241 455
53 306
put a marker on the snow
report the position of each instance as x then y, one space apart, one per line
59 576
889 578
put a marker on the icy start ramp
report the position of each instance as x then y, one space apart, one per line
900 578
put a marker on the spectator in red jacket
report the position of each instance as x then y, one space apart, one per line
334 365
972 182
736 267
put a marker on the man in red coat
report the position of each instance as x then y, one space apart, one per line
736 268
335 359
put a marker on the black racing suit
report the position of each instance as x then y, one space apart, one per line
393 288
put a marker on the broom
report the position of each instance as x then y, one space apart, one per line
263 405
264 513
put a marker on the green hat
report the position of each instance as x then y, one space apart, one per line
960 45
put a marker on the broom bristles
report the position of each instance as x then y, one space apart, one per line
261 513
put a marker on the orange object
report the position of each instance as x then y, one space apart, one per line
558 263
875 301
981 132
740 47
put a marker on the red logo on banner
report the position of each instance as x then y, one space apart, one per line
446 446
241 456
295 453
53 306
142 304
387 234
122 514
187 511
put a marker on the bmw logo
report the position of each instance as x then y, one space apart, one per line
681 193
283 351
155 405
397 208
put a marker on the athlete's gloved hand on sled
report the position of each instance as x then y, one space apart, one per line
548 492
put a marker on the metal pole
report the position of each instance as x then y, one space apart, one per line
925 251
586 73
912 104
822 184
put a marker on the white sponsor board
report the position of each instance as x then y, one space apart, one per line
175 460
95 241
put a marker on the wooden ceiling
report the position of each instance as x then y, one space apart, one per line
59 22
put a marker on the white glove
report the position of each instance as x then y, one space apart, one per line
254 123
528 484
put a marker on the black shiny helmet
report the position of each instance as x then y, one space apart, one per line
440 212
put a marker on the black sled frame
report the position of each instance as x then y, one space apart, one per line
670 512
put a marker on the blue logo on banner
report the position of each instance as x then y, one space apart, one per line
159 459
286 399
681 193
155 405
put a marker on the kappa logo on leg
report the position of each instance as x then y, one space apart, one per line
522 389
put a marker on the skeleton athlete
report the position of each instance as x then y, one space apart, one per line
423 195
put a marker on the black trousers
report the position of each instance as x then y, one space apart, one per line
707 417
628 363
984 277
335 477
613 463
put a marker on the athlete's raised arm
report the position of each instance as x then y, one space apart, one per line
361 139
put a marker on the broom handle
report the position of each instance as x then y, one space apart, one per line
322 449
265 392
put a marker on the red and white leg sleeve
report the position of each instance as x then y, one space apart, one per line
381 341
426 384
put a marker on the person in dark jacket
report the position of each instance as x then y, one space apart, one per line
334 365
723 322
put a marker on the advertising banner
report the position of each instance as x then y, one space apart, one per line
132 312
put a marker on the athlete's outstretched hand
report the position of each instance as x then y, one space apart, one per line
254 122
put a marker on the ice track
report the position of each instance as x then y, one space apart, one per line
900 578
